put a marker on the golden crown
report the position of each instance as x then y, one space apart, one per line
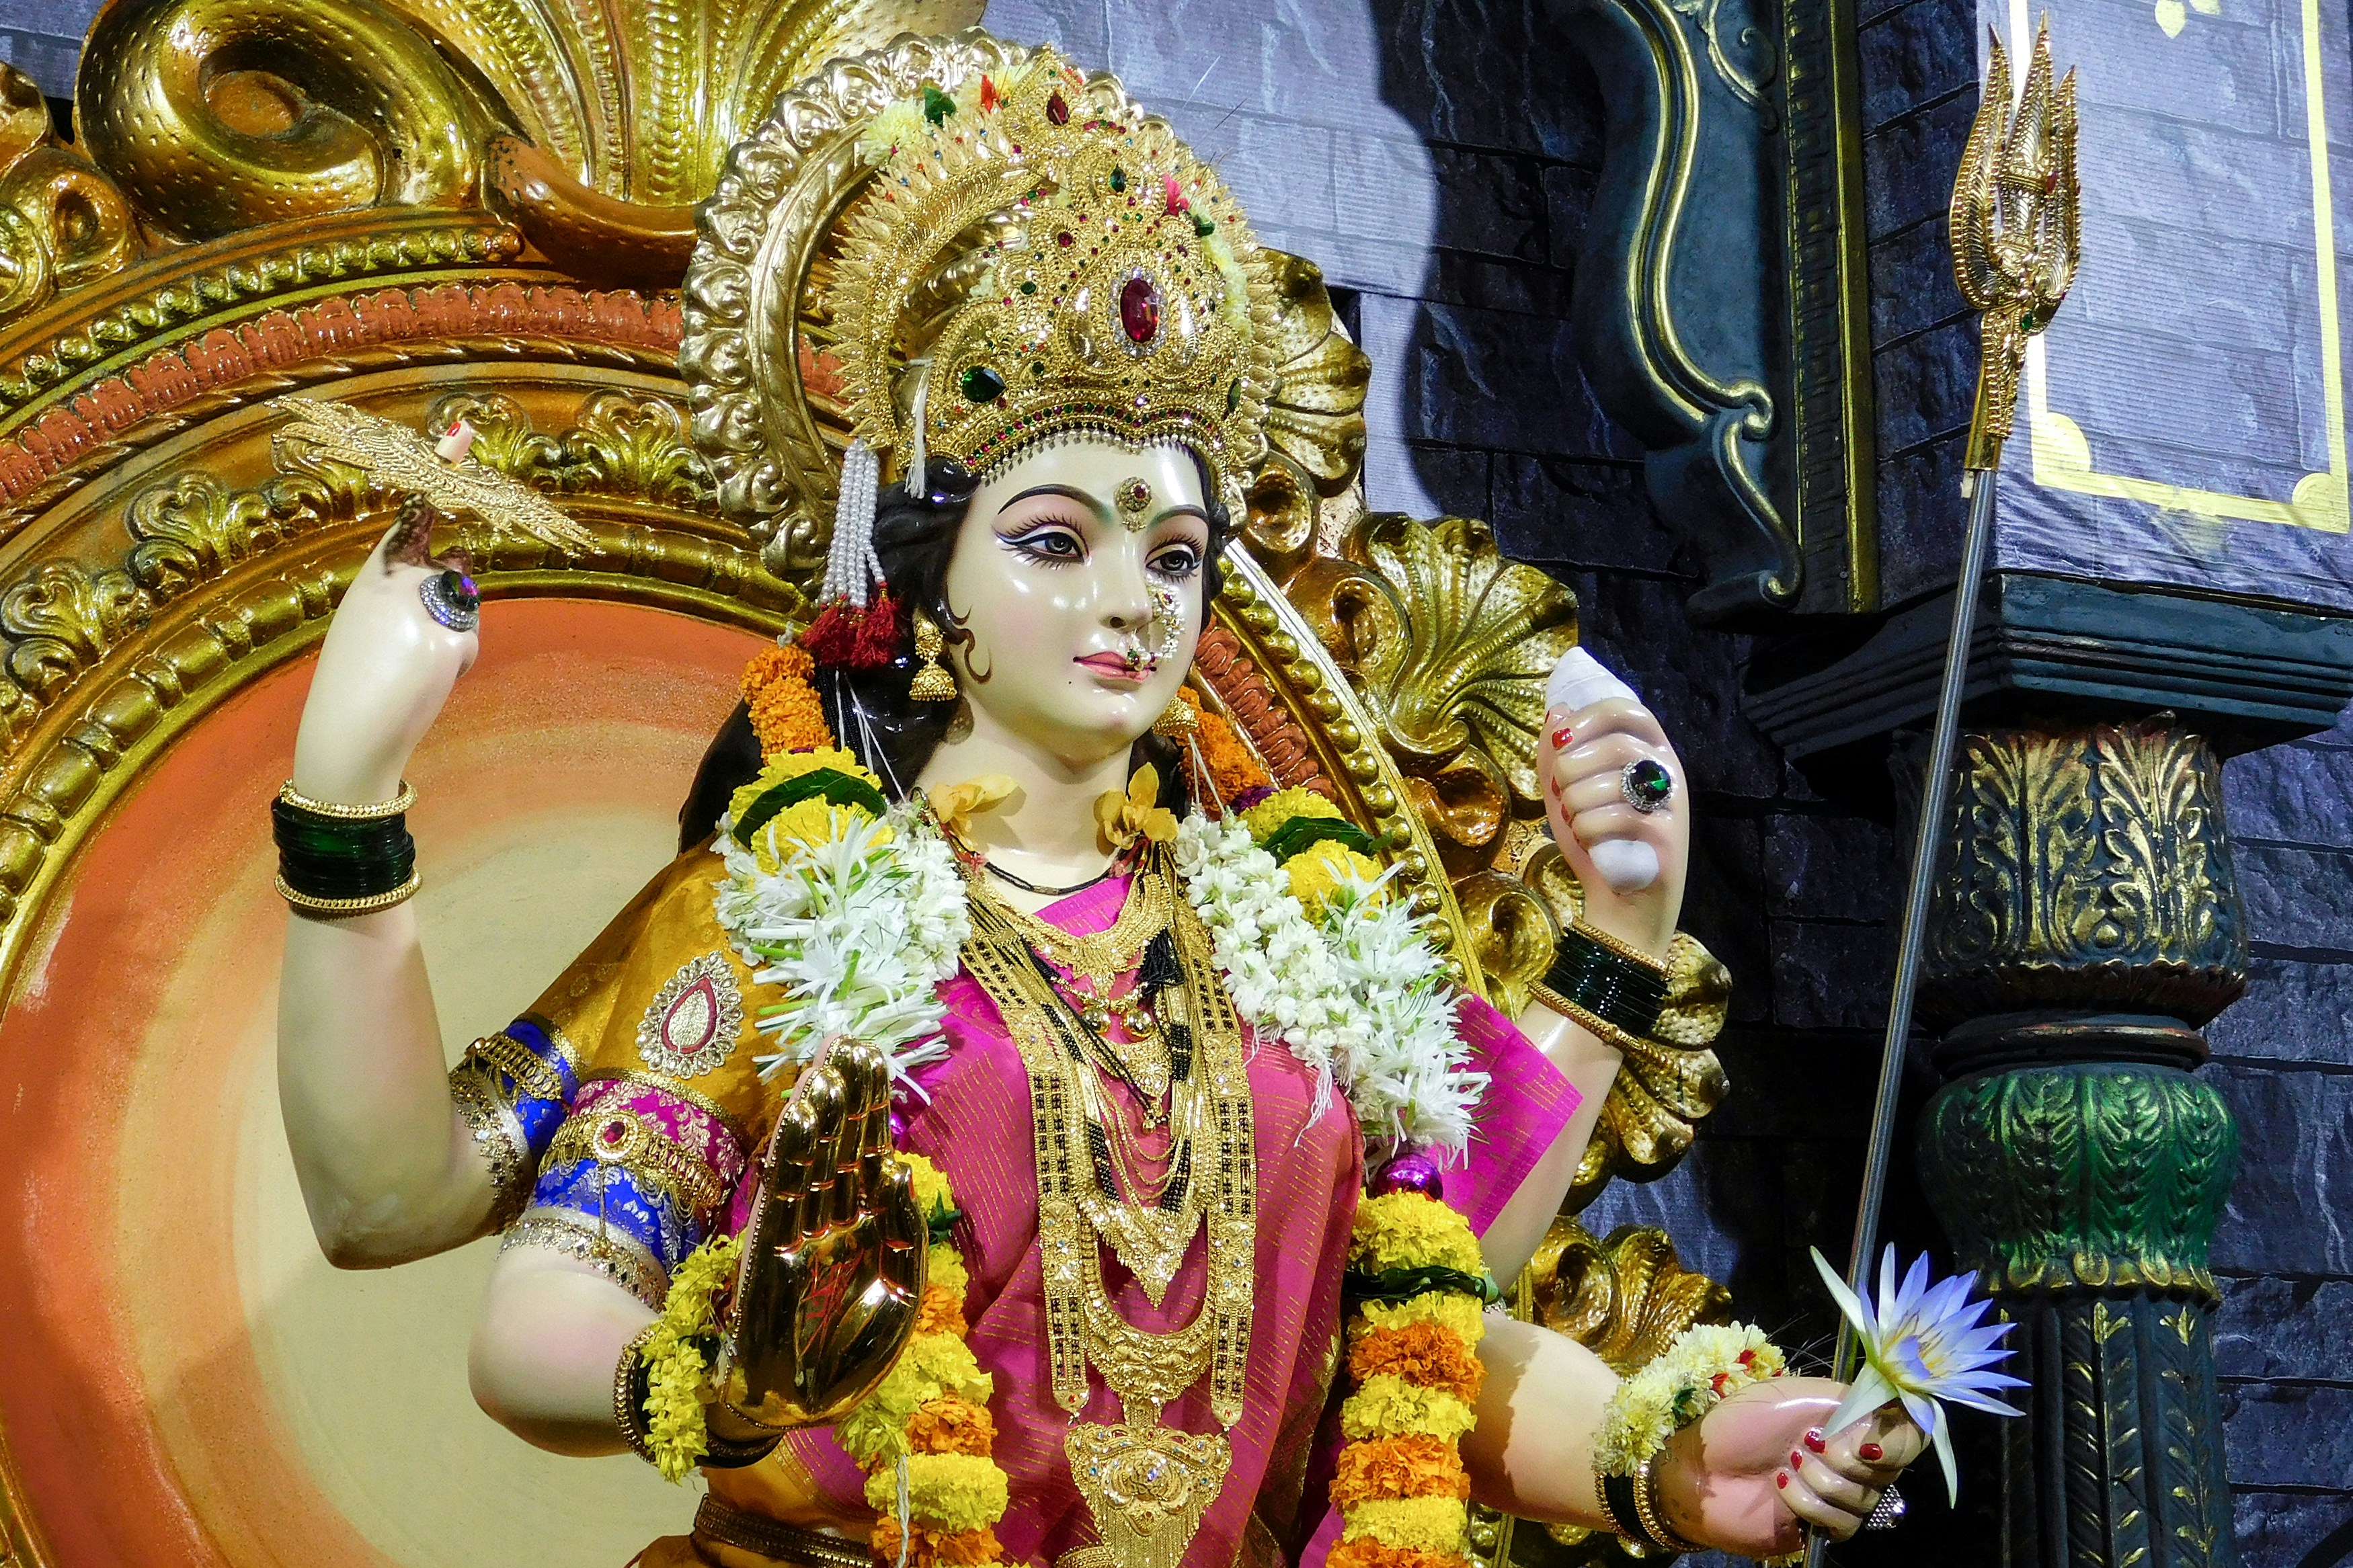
1033 258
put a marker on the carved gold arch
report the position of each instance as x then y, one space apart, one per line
409 204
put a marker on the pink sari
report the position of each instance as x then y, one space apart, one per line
975 1126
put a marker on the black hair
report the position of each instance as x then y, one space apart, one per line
870 710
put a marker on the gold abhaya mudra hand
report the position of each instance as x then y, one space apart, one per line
833 1259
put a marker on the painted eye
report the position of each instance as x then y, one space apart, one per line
1182 561
1049 543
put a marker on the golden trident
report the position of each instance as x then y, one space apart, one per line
2014 228
2013 224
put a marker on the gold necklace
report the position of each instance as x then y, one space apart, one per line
1104 956
1146 1485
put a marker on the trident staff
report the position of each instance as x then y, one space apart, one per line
2014 237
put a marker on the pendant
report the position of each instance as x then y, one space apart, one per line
1148 1487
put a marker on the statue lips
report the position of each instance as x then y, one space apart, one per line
1112 666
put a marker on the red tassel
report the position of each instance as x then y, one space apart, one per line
847 638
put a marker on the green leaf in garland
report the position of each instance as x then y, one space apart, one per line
836 786
1301 833
937 105
942 1223
1392 1286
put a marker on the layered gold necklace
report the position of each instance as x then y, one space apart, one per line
1147 1484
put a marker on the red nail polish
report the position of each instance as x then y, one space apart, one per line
1562 737
1871 1452
1781 1479
1796 1460
1814 1441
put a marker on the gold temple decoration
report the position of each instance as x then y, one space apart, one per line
399 458
2014 224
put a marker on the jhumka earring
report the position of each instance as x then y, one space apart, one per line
1177 720
933 683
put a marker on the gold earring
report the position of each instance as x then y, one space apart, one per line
1178 722
933 683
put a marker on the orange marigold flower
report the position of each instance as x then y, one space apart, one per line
951 1425
1232 768
785 713
1424 1354
1365 1552
961 1549
1398 1468
941 1311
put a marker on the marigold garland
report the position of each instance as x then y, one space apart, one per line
785 713
678 1387
931 1410
1400 1484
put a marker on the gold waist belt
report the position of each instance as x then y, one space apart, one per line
776 1540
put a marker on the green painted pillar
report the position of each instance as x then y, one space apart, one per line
2085 925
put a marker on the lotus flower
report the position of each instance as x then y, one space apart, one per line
1923 1345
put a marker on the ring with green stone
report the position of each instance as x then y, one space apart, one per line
1646 784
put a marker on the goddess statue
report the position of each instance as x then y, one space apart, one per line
1011 1127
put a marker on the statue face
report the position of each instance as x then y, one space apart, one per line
1066 573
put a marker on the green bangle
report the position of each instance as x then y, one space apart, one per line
1596 976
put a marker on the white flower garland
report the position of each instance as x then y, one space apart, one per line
1362 999
856 934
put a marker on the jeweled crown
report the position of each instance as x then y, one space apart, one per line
1032 259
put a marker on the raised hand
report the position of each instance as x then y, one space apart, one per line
1582 756
1751 1475
833 1262
385 670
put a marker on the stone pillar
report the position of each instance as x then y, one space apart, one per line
2085 925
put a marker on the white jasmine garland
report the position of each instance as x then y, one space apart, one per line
1361 998
856 934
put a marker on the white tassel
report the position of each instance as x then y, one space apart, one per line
851 565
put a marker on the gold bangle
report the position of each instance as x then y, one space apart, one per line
1592 1023
1646 1507
534 1079
375 812
628 1414
1619 945
338 908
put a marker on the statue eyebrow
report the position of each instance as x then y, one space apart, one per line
1067 491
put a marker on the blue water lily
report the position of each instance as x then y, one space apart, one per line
1921 1344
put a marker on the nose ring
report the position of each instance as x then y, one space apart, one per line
1168 607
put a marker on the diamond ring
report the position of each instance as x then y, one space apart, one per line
1646 784
451 598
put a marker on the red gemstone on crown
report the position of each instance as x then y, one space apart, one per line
1056 110
1139 310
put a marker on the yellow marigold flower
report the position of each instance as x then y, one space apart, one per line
1447 1308
792 766
931 1185
1407 1230
1388 1406
931 1365
1411 1524
1282 806
1317 869
947 1269
945 1492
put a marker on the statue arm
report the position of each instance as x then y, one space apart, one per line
389 1171
1580 756
1719 1483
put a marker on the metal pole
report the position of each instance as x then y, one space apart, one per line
1935 796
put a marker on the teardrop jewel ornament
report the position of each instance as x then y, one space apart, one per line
1139 310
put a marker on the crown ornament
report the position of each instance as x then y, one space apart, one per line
1036 260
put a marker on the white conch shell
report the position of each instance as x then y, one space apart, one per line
1579 680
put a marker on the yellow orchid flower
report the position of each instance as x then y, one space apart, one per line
1119 818
958 803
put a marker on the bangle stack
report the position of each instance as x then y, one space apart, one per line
335 860
1634 1504
1611 987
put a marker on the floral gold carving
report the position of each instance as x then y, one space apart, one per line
2087 866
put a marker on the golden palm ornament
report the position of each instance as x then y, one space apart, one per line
2014 228
401 459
